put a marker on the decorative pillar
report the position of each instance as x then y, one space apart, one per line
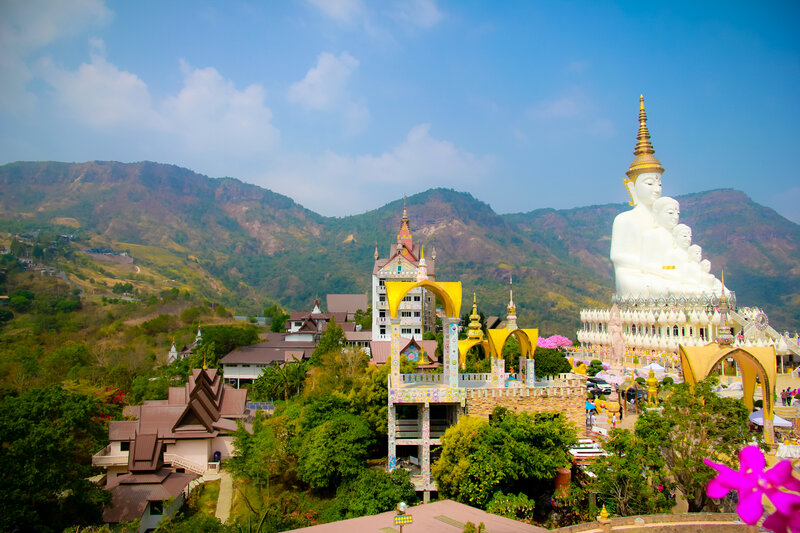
392 435
498 373
425 462
530 372
450 351
395 352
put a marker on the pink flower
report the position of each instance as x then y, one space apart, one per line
752 483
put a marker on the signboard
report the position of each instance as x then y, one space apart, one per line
403 519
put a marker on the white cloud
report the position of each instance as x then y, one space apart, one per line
422 13
98 93
324 85
340 10
336 184
26 26
324 88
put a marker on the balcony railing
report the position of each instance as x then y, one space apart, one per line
412 429
106 457
471 381
182 462
422 378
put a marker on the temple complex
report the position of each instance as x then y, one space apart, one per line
405 262
666 295
423 405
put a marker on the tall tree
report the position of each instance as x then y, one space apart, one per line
48 437
695 424
332 340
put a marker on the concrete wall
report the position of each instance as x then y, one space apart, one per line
224 445
566 400
195 450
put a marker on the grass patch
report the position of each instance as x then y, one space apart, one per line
205 498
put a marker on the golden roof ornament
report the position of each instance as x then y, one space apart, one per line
644 161
474 329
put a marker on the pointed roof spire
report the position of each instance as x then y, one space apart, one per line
405 213
422 270
474 330
376 254
511 317
644 161
724 331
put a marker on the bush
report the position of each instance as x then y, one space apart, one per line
518 507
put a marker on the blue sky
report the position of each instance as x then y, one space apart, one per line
346 105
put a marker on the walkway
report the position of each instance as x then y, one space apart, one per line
225 498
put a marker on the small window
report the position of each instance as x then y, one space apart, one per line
382 283
125 446
399 268
382 314
406 331
417 331
383 330
416 314
382 298
417 299
180 470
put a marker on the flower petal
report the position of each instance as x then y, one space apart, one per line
750 508
752 458
732 479
780 475
776 522
784 502
714 489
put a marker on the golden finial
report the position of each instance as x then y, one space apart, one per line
474 329
205 366
405 213
604 513
644 161
422 252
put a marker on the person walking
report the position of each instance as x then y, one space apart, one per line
614 420
783 398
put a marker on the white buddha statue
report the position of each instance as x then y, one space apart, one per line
658 245
644 187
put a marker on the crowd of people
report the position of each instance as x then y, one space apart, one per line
787 395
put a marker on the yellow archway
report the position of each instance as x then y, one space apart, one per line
449 292
527 339
754 361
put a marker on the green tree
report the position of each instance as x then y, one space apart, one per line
280 379
364 318
595 367
332 340
373 492
228 338
334 451
513 453
277 317
67 360
550 362
695 424
47 437
517 507
628 479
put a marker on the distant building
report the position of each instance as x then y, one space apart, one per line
151 459
246 363
346 303
405 262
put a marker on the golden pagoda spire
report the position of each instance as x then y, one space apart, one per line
644 161
474 329
405 213
511 317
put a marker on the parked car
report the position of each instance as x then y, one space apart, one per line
598 384
639 394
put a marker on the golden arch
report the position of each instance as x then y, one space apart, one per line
527 339
449 292
753 361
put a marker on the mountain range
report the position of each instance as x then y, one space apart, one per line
248 247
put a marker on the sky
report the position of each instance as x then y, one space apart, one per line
346 105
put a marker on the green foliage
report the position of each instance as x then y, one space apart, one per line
518 507
193 523
277 317
373 492
595 367
280 379
693 425
332 340
225 339
550 362
5 315
334 451
48 436
511 353
67 361
264 453
160 324
20 300
337 370
514 453
192 315
122 288
628 479
149 388
469 527
364 319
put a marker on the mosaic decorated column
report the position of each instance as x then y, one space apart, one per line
392 436
426 445
395 351
498 373
530 372
450 351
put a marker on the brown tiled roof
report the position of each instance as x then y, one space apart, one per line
346 303
353 336
145 453
444 516
131 492
270 351
122 429
380 350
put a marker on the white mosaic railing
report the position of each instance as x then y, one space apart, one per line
422 378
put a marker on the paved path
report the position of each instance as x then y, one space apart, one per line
225 499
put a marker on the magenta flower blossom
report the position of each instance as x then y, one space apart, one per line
752 482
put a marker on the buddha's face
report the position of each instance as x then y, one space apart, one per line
668 216
683 237
695 253
648 188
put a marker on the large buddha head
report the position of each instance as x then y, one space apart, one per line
644 174
667 212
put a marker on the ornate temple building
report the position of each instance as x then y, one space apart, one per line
423 405
666 296
405 262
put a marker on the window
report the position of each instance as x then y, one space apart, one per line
383 330
399 268
382 314
675 331
125 446
416 314
417 298
405 314
381 297
407 299
406 331
382 283
417 331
